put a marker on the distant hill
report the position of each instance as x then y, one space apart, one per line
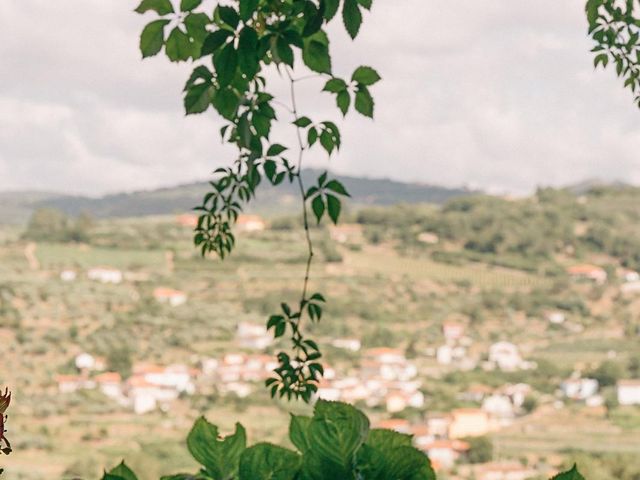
15 207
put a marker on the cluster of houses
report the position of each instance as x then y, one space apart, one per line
385 379
149 387
630 279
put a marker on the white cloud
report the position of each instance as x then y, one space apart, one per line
495 94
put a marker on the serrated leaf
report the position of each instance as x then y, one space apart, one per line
335 85
337 187
275 149
221 457
333 207
298 427
161 7
226 102
315 53
351 17
335 433
284 51
343 100
188 5
123 472
331 8
196 25
302 122
152 38
178 46
247 52
228 15
214 41
364 102
265 461
198 98
572 474
247 7
365 76
226 63
317 205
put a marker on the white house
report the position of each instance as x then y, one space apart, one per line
587 272
110 383
452 331
444 355
73 383
446 452
499 407
253 336
351 344
556 317
397 401
175 298
68 275
579 388
85 361
628 392
105 275
146 397
250 223
505 356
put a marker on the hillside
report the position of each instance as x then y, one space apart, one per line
16 206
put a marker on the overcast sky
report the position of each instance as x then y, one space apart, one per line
496 94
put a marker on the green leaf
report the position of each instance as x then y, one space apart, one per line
214 41
275 149
198 98
188 5
161 7
572 474
364 102
152 38
333 207
312 136
601 58
302 122
298 427
366 3
315 53
384 439
317 205
220 457
365 76
228 15
327 141
343 99
247 7
123 472
284 51
336 432
352 17
196 25
335 85
269 462
226 102
178 46
247 52
337 187
226 63
331 8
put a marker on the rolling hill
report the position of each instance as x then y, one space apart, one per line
15 207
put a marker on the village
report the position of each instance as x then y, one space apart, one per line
382 379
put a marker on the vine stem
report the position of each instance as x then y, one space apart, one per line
305 215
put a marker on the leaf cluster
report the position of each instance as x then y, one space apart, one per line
231 48
615 28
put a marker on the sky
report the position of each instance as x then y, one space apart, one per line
493 94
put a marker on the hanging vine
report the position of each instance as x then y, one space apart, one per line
233 48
